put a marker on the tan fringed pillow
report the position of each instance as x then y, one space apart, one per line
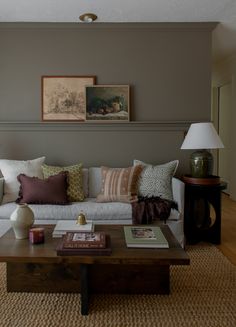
119 184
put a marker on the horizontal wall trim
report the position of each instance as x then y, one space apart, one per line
94 126
143 25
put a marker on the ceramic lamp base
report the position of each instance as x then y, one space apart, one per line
201 164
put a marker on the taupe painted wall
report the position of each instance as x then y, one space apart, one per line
168 67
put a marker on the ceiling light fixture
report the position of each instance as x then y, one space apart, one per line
88 18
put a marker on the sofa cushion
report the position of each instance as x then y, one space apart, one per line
109 212
12 168
119 184
157 180
75 179
52 190
85 182
95 181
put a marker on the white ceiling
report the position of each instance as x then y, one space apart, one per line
223 11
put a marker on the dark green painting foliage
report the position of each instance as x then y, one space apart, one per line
97 104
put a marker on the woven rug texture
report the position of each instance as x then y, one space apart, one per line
202 294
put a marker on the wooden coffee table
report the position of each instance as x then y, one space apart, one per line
37 268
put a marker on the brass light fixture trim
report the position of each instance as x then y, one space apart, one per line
88 17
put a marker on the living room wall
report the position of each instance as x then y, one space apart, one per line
168 67
225 72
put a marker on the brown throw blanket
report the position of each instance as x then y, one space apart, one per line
146 210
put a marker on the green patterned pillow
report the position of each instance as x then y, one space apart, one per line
157 180
75 183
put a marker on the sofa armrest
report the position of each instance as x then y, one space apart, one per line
1 189
178 188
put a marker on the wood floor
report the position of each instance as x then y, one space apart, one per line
228 228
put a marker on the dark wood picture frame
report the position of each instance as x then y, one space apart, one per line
63 97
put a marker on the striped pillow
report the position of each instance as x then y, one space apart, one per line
119 184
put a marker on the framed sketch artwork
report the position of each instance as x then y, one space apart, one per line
107 103
63 97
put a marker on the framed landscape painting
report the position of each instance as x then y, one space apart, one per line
107 103
63 97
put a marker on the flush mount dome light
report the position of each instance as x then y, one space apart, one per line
88 17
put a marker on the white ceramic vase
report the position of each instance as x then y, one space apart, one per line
22 219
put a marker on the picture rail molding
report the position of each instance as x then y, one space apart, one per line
94 127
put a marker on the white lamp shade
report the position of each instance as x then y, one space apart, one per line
202 136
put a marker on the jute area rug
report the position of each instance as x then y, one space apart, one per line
202 294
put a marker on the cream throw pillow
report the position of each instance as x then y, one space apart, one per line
119 184
11 169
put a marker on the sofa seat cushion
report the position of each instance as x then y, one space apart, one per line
93 210
112 212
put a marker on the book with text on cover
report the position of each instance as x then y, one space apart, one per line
64 226
85 251
79 240
145 237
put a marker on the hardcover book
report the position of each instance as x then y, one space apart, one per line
145 237
84 251
64 226
78 240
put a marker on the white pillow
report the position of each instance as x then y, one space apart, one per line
11 169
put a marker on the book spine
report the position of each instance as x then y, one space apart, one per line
82 246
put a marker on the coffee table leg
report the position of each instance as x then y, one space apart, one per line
84 291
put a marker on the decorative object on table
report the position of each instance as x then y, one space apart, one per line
62 251
63 97
107 103
81 240
36 235
22 219
64 226
145 237
202 136
81 220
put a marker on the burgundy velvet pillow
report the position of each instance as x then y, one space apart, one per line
52 190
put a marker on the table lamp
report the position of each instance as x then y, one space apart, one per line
202 136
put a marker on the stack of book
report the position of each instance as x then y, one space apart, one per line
145 237
64 226
84 243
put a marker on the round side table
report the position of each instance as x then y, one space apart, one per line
202 210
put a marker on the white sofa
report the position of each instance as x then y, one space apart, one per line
100 213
